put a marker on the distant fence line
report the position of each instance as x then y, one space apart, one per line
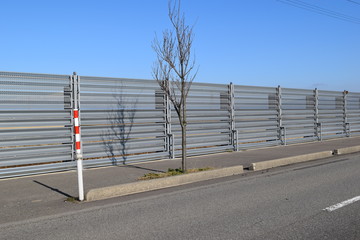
129 120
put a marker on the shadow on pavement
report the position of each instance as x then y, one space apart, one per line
53 189
142 168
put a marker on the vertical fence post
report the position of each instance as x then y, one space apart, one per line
77 133
168 132
317 124
281 129
69 105
233 131
346 124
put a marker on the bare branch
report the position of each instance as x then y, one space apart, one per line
175 64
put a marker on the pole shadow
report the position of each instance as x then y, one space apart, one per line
53 189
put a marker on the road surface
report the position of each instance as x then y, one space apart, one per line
305 201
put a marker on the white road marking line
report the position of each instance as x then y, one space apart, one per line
342 204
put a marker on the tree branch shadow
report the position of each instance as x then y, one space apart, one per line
121 121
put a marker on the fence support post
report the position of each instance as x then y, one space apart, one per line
346 124
281 128
317 124
169 136
233 132
77 143
69 105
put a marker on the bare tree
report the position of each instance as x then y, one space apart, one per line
174 69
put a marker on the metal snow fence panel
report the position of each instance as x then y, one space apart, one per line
122 120
128 120
298 114
208 120
332 114
256 116
353 112
35 124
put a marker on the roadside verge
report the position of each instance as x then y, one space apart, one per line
155 184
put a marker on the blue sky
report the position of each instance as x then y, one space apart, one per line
247 42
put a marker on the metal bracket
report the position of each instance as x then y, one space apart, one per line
171 145
318 131
347 129
282 135
235 140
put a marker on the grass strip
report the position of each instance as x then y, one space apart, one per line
172 172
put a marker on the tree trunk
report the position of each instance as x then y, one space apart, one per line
183 131
183 147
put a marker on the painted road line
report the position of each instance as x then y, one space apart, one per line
342 204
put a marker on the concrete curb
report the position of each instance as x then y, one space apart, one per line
149 185
347 150
289 160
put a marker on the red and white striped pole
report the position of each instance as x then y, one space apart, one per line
79 157
75 81
78 154
77 134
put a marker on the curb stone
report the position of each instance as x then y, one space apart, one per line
155 184
289 160
347 150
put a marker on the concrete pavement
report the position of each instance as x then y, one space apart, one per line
287 203
34 194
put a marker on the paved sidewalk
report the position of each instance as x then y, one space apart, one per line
27 197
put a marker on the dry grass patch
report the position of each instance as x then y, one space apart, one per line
172 172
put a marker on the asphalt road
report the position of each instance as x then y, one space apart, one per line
285 203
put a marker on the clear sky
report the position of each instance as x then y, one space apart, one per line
247 42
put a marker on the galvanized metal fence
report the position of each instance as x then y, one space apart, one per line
35 124
122 121
126 120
